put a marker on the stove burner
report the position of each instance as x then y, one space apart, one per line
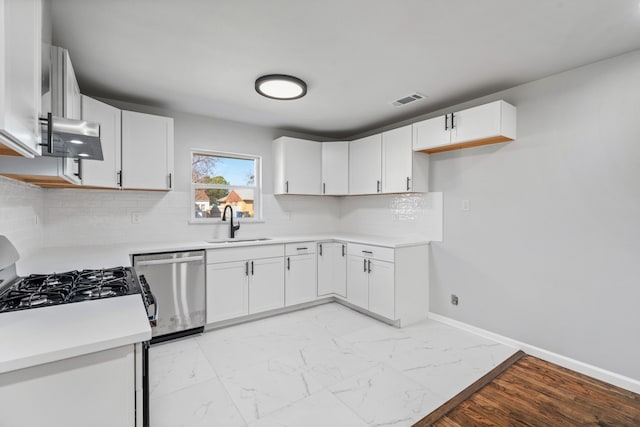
34 300
40 290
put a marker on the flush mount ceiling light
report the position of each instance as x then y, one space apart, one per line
280 86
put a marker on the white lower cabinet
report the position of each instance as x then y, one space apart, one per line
332 269
227 290
357 281
266 290
101 387
370 285
244 280
300 273
381 288
389 282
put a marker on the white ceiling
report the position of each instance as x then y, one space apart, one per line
203 56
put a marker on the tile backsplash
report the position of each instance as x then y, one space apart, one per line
33 217
21 214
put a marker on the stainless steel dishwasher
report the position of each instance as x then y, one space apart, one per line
177 280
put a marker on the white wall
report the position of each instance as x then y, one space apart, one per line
549 253
21 214
85 217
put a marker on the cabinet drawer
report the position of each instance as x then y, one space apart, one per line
301 248
370 251
244 253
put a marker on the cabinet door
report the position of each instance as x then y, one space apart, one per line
365 165
332 269
105 173
381 289
431 133
397 152
147 151
20 60
266 284
300 279
72 97
357 281
335 168
475 123
227 290
298 165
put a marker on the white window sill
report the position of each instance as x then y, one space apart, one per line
219 221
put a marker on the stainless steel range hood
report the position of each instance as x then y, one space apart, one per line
63 133
71 138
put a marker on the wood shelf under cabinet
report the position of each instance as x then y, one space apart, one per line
470 144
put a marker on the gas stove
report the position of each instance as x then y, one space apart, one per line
42 290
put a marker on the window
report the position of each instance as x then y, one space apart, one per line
224 179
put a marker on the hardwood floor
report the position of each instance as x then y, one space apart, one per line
527 391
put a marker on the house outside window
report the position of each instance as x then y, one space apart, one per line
224 179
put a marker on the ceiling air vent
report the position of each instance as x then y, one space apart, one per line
408 99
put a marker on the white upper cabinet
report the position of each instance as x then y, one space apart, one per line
335 168
485 124
297 166
20 74
147 151
397 156
365 165
431 133
103 173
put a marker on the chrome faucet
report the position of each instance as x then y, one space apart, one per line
232 228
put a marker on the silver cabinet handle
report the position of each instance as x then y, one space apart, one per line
446 122
286 186
170 260
170 181
320 247
288 263
301 249
369 268
365 265
246 268
453 125
367 252
378 186
343 248
324 188
252 268
408 180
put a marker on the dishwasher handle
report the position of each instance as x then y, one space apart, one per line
186 259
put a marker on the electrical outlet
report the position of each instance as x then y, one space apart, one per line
465 205
135 217
454 299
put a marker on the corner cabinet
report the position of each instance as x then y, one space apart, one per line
332 269
147 152
485 124
335 168
365 163
297 166
20 77
243 281
389 282
403 170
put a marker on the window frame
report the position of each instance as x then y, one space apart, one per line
257 202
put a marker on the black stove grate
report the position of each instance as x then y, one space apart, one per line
41 290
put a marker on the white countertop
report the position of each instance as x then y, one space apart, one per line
42 335
59 259
46 334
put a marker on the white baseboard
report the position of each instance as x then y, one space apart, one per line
567 362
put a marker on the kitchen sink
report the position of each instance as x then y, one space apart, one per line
227 241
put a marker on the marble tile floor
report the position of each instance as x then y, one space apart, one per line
323 366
